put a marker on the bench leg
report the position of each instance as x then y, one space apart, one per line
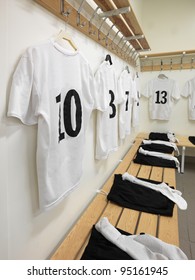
183 159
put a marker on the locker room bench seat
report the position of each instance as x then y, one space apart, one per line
183 143
165 228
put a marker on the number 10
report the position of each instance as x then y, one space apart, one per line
67 114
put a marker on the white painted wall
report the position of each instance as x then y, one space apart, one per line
179 122
25 233
168 25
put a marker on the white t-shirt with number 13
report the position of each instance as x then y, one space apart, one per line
162 92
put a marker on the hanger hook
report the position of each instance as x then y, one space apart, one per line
79 15
120 40
114 39
65 13
99 29
107 35
91 32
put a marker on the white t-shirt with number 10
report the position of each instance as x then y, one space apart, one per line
54 88
162 92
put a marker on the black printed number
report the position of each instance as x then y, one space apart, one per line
127 101
67 119
161 97
112 105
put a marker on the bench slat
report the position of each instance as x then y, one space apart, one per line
129 220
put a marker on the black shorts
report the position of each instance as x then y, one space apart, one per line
154 161
192 139
137 197
99 248
158 136
160 148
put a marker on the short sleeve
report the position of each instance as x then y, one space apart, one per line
186 89
100 97
23 100
121 98
175 91
147 92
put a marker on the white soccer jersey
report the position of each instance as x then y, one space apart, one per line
125 90
161 94
107 114
136 103
189 91
54 88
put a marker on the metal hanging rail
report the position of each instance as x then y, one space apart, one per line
118 12
168 61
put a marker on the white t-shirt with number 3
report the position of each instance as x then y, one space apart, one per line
107 114
54 88
161 93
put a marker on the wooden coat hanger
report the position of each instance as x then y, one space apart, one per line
64 36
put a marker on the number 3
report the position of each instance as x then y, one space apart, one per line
112 105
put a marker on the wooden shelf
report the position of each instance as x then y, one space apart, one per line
179 60
126 24
133 27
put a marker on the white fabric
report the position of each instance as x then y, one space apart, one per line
140 247
136 103
172 137
107 114
160 155
54 88
173 195
125 90
166 143
189 92
161 94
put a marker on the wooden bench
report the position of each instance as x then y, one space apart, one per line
165 228
183 143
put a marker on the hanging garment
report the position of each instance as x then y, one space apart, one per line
141 246
161 146
161 93
100 248
134 196
156 159
125 89
54 88
189 92
136 103
107 114
172 194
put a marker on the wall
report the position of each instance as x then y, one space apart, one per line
178 122
168 25
25 232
